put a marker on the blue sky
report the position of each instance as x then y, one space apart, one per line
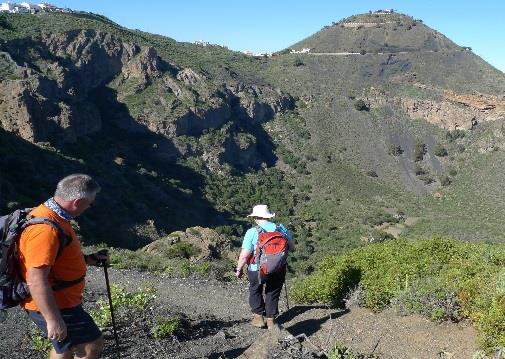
270 25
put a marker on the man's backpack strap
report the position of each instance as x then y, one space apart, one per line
63 238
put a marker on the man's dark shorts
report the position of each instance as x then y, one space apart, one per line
80 328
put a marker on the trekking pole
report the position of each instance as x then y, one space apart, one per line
286 292
104 264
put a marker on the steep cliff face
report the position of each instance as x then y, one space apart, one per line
451 111
58 72
60 75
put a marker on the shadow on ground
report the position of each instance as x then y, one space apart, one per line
309 326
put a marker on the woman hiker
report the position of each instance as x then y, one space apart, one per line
262 306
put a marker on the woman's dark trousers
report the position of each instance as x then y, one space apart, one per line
273 286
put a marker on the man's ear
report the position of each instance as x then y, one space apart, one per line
76 202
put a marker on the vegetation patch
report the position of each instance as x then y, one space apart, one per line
165 327
395 150
361 105
440 278
39 342
340 351
178 265
419 151
123 301
440 150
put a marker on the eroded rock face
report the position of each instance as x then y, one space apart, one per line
453 111
54 102
443 114
55 99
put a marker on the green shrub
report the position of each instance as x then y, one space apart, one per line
123 300
298 62
445 180
454 135
39 342
492 324
340 351
429 298
439 278
361 105
330 288
380 217
440 150
419 151
182 250
418 170
426 178
381 236
165 327
395 150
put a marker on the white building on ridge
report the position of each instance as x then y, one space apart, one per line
26 7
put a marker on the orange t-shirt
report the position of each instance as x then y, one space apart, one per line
38 247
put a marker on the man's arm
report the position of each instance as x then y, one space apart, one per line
42 294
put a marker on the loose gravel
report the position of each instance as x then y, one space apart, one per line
216 325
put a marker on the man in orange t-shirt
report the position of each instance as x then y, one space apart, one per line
45 266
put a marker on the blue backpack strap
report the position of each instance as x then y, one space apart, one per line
63 238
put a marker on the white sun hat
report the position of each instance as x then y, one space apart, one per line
261 211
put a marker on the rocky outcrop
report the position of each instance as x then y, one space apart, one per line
209 243
451 111
488 107
60 71
142 68
444 114
189 77
32 109
211 107
258 103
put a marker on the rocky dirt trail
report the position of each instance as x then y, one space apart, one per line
217 326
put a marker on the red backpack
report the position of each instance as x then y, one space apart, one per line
271 253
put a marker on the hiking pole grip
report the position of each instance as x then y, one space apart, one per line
109 295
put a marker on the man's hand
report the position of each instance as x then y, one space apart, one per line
56 329
98 258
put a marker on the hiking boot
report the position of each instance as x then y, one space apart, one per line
258 321
271 324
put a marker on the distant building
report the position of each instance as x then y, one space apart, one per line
7 6
305 50
31 7
384 11
257 54
47 7
20 9
201 43
26 8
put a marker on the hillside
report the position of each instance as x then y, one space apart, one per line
386 126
